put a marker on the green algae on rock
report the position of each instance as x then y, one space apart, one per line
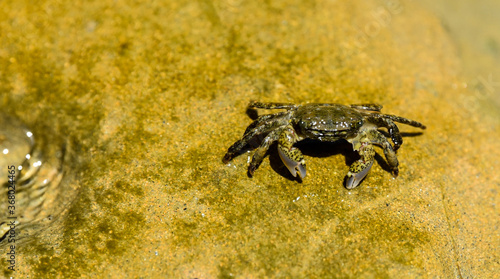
145 93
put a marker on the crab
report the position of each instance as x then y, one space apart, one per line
358 124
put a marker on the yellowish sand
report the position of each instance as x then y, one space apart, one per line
151 95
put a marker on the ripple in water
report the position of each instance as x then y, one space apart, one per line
36 180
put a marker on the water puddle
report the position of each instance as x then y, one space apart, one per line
29 181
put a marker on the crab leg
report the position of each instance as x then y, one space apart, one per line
256 128
260 152
405 121
291 156
255 104
390 155
263 119
381 121
364 146
393 129
371 107
387 121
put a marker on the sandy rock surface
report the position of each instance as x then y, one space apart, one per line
146 99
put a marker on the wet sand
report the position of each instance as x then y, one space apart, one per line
148 97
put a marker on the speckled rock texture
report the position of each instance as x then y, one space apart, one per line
148 95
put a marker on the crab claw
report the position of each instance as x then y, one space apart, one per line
292 165
354 178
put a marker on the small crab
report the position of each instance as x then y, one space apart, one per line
358 124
